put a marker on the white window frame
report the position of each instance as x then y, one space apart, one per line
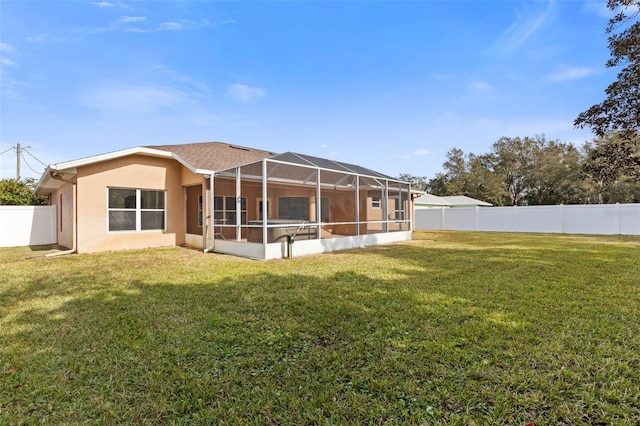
138 211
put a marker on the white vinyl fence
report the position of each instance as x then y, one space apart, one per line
604 219
27 225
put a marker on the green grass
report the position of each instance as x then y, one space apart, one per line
450 328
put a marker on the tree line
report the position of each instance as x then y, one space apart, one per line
536 171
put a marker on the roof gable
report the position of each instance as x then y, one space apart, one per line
214 156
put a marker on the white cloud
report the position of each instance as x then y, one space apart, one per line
244 93
9 87
184 82
523 27
7 62
111 5
41 38
7 48
129 99
421 152
130 19
570 74
171 26
481 86
102 4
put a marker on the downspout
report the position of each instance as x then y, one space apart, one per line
74 228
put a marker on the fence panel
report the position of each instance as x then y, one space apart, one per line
27 225
607 219
428 219
547 219
497 219
629 216
595 219
460 219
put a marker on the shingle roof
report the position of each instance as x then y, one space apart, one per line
214 156
431 200
463 200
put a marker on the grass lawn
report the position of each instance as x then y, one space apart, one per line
450 328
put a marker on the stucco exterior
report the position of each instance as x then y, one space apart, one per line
64 201
136 172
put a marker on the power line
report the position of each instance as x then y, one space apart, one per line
25 150
7 150
29 165
20 150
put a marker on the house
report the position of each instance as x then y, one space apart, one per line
464 201
224 198
429 201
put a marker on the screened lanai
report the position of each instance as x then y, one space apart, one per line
293 204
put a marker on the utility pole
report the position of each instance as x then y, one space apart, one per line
18 151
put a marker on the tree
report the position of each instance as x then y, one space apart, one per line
470 175
620 111
517 171
484 183
612 167
556 177
19 193
515 160
417 182
454 179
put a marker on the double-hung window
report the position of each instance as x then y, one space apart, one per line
136 210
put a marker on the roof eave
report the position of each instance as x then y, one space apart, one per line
49 183
53 178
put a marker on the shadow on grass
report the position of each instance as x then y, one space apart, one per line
446 335
12 254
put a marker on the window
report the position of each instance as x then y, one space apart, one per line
200 212
293 208
375 202
224 210
136 210
397 208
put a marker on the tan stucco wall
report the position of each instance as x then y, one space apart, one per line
63 199
135 172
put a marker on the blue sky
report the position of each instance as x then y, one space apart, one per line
389 85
